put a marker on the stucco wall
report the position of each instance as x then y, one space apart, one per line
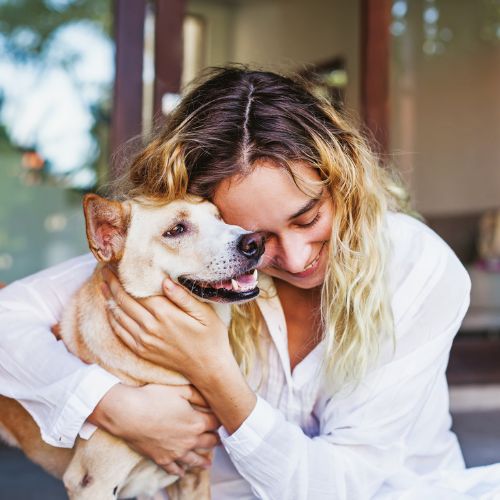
446 111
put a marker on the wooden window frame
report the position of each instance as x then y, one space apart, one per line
129 16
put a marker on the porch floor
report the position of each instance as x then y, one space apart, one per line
478 433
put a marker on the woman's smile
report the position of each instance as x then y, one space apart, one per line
311 268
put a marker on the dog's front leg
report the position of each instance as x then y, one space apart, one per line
195 485
99 468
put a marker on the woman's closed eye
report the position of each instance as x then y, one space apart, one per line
311 222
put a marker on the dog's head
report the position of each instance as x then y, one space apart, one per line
186 240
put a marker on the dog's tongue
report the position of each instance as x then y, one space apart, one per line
246 279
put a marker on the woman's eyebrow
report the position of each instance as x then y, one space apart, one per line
310 204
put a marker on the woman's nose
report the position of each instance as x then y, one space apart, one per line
290 254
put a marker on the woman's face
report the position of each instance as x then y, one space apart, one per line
297 227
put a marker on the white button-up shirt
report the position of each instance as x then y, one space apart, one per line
389 438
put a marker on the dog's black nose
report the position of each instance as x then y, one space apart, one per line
252 245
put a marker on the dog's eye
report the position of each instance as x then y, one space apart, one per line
175 231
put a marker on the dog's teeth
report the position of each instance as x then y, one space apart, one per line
235 285
255 274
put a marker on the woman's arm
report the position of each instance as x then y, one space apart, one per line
55 387
160 422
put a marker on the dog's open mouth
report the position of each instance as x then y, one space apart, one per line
236 289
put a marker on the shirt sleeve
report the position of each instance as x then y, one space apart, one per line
54 386
369 437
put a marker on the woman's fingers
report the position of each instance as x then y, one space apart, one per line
184 300
194 396
174 469
124 335
193 459
126 322
124 301
150 311
207 441
210 421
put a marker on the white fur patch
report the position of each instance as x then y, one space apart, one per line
7 437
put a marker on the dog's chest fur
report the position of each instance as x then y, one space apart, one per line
86 333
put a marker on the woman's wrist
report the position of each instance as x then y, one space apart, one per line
210 365
228 394
105 414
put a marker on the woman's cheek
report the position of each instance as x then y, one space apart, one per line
269 255
325 224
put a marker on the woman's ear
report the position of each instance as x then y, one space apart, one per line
106 224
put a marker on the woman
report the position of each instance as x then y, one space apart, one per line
337 385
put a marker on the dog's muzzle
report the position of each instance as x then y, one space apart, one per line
236 288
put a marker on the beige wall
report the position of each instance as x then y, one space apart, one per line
219 28
289 33
284 34
446 113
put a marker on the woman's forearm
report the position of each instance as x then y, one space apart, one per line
227 393
54 386
159 421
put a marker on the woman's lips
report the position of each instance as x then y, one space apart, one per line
313 266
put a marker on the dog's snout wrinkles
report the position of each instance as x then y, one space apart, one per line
251 245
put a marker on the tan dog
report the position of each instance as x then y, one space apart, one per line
186 240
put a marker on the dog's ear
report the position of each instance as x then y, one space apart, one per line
106 223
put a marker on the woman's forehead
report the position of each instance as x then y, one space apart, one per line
267 195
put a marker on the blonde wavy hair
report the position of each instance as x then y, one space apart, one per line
232 116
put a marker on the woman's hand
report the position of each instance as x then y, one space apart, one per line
177 331
160 422
183 334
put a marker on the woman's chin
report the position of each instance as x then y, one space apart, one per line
305 282
307 279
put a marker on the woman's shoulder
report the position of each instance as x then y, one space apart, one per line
406 230
420 261
415 247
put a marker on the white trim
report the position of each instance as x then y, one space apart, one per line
474 398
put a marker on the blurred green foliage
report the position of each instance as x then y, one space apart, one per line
42 18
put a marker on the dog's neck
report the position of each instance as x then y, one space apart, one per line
223 311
